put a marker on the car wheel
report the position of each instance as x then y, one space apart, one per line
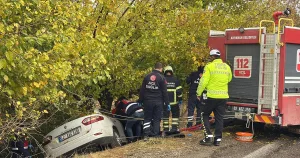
116 139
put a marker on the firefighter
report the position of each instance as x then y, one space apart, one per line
175 97
154 97
215 79
193 80
134 114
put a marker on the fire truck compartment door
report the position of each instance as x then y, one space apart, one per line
244 59
292 68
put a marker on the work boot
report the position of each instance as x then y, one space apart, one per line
208 140
174 131
190 124
164 133
146 138
130 140
217 141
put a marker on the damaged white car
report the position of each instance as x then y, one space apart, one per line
93 130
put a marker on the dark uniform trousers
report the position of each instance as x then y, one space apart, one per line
192 103
153 111
175 118
218 107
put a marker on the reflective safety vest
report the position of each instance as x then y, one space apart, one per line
174 89
215 79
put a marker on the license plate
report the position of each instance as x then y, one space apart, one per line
241 109
69 134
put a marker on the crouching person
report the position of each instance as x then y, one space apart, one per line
135 115
19 147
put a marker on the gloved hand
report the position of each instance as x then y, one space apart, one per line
140 103
180 102
169 107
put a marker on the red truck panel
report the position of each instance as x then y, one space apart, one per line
291 35
291 110
281 77
248 37
218 43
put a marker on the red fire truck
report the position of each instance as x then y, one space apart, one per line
265 63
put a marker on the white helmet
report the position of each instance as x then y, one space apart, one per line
215 52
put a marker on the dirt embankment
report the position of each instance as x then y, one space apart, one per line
189 146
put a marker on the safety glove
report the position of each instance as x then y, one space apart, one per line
180 102
140 103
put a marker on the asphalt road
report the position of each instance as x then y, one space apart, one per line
268 142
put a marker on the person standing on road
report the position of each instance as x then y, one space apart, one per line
215 79
193 80
154 97
175 97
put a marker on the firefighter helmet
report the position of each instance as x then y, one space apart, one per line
214 52
168 69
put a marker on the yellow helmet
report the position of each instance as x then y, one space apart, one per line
168 68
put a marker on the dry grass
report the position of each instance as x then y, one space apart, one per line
167 147
155 147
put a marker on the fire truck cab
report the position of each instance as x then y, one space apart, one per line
265 63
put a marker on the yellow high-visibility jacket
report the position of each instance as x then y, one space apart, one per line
215 79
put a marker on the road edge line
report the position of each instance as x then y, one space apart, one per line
264 151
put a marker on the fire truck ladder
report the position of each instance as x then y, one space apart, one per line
269 65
